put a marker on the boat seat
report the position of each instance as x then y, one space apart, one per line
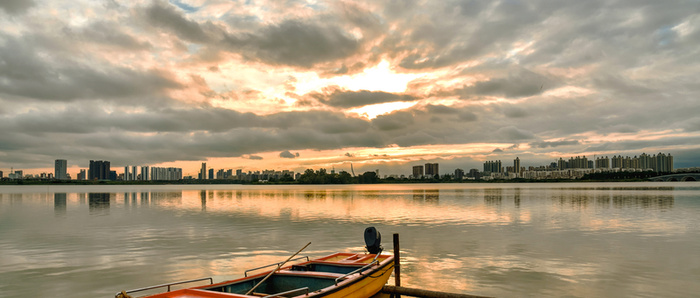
330 275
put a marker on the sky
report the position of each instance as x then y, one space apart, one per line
382 85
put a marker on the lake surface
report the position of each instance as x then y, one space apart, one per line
504 240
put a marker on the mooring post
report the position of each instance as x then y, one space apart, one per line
397 263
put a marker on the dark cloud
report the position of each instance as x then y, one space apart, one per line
440 109
515 112
253 157
554 144
519 83
416 138
110 34
397 120
350 99
525 71
467 116
26 73
295 43
692 125
287 154
348 154
16 6
511 133
167 17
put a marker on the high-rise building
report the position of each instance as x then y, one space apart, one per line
165 174
61 169
144 173
127 175
417 172
602 163
664 163
431 170
493 166
99 170
459 174
211 174
18 174
203 171
82 175
516 165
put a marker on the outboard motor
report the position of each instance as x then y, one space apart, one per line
373 240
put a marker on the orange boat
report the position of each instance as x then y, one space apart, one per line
336 275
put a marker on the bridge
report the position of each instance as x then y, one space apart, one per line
677 177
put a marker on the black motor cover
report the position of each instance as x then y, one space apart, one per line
373 240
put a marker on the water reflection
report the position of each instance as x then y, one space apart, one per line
426 195
619 201
494 240
493 196
164 198
59 204
99 203
203 198
647 202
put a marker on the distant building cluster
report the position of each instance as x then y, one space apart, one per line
101 170
429 171
572 168
228 174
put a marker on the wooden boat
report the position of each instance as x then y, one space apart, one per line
335 275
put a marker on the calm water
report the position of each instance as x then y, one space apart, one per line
504 240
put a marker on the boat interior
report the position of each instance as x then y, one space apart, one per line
306 277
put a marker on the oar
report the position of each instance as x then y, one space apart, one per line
278 267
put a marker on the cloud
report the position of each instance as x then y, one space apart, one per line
349 99
26 73
109 34
16 6
295 43
511 133
287 154
253 157
348 154
440 109
692 125
553 144
165 16
393 121
169 81
467 116
519 83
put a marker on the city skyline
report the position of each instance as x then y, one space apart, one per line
661 162
372 85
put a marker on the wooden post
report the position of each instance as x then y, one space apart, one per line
397 263
424 293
